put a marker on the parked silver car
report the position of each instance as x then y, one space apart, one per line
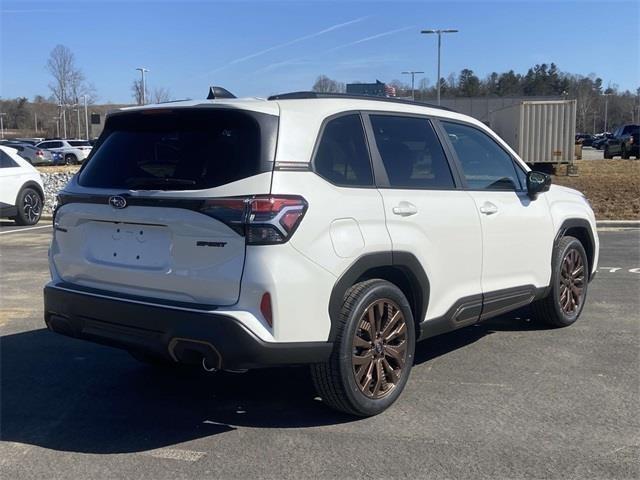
73 151
37 156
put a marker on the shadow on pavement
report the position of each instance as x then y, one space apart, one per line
71 395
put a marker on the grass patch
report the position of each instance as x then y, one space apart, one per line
612 187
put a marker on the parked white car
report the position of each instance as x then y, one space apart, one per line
73 151
328 230
21 190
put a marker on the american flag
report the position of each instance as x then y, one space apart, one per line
390 90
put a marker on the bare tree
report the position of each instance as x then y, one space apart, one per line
61 66
326 85
160 94
136 90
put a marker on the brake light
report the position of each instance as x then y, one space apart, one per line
262 219
39 153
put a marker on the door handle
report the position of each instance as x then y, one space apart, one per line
488 208
404 209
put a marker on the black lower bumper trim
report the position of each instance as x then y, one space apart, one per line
157 330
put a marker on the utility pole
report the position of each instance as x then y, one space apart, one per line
413 78
439 32
57 119
2 114
86 119
143 70
35 121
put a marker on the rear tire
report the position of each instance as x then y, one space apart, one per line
372 353
570 279
29 205
607 155
70 159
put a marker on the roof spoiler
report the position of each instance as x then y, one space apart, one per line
219 92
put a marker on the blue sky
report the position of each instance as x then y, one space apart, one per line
265 47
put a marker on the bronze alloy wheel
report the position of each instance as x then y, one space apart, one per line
32 206
379 349
572 278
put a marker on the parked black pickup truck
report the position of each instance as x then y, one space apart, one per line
625 142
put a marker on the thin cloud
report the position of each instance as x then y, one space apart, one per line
287 44
301 60
372 37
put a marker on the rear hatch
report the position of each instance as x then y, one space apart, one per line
144 216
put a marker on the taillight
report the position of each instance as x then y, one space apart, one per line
262 219
39 153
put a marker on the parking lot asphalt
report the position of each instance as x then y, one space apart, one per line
505 399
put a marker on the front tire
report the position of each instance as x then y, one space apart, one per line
70 159
564 303
29 205
373 351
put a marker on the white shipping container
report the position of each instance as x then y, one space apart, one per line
540 132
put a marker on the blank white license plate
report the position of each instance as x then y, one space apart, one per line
131 245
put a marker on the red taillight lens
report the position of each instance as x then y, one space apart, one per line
39 153
265 308
264 220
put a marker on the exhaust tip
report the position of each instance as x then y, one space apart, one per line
195 352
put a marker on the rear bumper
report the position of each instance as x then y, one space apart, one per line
184 336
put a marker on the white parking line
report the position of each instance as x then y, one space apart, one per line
176 454
18 230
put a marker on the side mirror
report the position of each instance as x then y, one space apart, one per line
537 182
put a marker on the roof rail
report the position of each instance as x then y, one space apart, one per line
308 95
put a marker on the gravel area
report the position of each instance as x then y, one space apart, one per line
53 183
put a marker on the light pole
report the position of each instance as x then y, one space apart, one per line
57 119
142 70
439 32
413 78
64 120
2 124
606 111
86 118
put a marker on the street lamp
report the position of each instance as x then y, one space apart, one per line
86 118
2 124
142 70
413 77
439 32
64 119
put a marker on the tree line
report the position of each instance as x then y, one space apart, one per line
540 80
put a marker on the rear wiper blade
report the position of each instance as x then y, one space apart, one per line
144 181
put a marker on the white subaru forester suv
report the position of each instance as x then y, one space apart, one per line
328 230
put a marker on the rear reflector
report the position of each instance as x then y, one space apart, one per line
265 308
262 219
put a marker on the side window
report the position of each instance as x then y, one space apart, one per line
411 152
44 145
342 156
6 161
56 145
486 166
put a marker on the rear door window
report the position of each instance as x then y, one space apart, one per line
411 152
181 149
79 143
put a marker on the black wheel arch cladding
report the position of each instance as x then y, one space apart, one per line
402 269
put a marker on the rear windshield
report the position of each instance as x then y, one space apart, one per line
79 143
182 149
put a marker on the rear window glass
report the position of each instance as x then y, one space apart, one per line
79 143
186 149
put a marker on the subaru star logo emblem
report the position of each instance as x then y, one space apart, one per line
117 202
